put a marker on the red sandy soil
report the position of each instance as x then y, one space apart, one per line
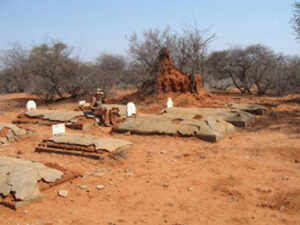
250 177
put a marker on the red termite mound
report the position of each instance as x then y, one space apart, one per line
171 79
184 88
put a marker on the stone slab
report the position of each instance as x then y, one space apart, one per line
19 132
207 128
100 143
22 176
236 117
72 119
55 115
25 178
251 108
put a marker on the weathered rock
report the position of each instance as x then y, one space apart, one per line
238 118
251 108
83 186
24 185
21 177
54 115
100 143
50 175
63 193
4 187
207 128
10 132
100 186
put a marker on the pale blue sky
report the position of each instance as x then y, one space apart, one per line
101 26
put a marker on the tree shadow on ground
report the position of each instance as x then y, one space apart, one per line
287 122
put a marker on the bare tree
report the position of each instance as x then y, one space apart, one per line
296 19
246 67
53 71
191 49
263 62
114 66
14 69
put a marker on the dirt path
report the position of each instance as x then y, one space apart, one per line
249 177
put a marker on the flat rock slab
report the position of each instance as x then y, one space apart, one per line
251 108
20 177
207 128
54 115
236 117
72 119
10 132
84 145
23 181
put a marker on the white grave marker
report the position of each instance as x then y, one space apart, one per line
81 102
169 103
30 105
58 129
130 109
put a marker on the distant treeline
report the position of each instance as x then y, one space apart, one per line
52 70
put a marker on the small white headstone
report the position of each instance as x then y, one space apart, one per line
30 105
130 109
169 103
81 102
58 129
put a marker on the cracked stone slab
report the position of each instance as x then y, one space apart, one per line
251 108
20 177
55 115
24 185
17 130
100 143
206 128
236 117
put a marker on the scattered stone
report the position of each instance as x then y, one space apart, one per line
63 193
99 174
25 211
84 177
230 199
202 157
163 152
190 189
170 203
281 207
128 174
83 186
100 186
166 185
186 154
